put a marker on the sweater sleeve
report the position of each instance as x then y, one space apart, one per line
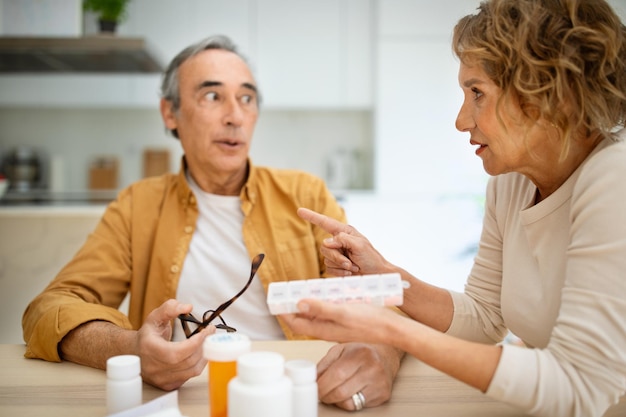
477 313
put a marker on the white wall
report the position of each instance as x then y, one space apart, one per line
417 147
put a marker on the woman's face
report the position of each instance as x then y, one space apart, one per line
505 142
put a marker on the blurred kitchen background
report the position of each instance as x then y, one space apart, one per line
362 93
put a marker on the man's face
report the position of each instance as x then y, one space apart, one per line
217 115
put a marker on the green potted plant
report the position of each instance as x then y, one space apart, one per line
109 12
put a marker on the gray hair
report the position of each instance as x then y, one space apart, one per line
169 85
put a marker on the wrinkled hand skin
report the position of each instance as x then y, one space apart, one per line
164 364
351 367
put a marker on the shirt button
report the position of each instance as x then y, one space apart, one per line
188 229
174 269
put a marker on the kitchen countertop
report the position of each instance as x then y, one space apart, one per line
44 202
52 210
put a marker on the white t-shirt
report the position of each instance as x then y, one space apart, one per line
217 267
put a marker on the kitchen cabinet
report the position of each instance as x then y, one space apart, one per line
315 54
306 55
40 17
171 25
81 91
418 149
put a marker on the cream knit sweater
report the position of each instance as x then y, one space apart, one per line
555 275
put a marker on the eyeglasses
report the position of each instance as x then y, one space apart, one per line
211 315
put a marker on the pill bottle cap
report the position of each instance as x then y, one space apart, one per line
301 371
260 367
123 367
225 347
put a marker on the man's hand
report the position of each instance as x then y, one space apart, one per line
164 364
352 367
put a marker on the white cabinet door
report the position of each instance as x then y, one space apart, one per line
421 18
65 90
358 55
314 53
418 149
167 26
305 54
171 25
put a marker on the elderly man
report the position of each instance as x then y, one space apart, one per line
183 242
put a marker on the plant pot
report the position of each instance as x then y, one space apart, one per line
107 26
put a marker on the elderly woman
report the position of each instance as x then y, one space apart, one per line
544 85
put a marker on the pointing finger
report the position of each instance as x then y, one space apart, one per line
331 225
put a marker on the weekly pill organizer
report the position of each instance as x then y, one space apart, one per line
379 289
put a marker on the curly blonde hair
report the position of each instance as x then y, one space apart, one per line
565 60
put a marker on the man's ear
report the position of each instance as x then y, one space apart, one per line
167 113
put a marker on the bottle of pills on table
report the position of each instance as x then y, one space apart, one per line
261 387
303 375
221 350
124 385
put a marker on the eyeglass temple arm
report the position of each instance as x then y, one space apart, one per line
255 267
188 317
184 318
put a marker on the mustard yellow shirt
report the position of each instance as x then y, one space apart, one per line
142 239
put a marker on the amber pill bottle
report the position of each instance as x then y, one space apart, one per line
221 351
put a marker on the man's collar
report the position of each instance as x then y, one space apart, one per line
246 193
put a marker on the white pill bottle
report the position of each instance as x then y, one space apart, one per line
261 387
303 375
124 385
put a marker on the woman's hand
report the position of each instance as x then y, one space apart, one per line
347 252
341 322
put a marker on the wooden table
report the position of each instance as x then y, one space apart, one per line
30 387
